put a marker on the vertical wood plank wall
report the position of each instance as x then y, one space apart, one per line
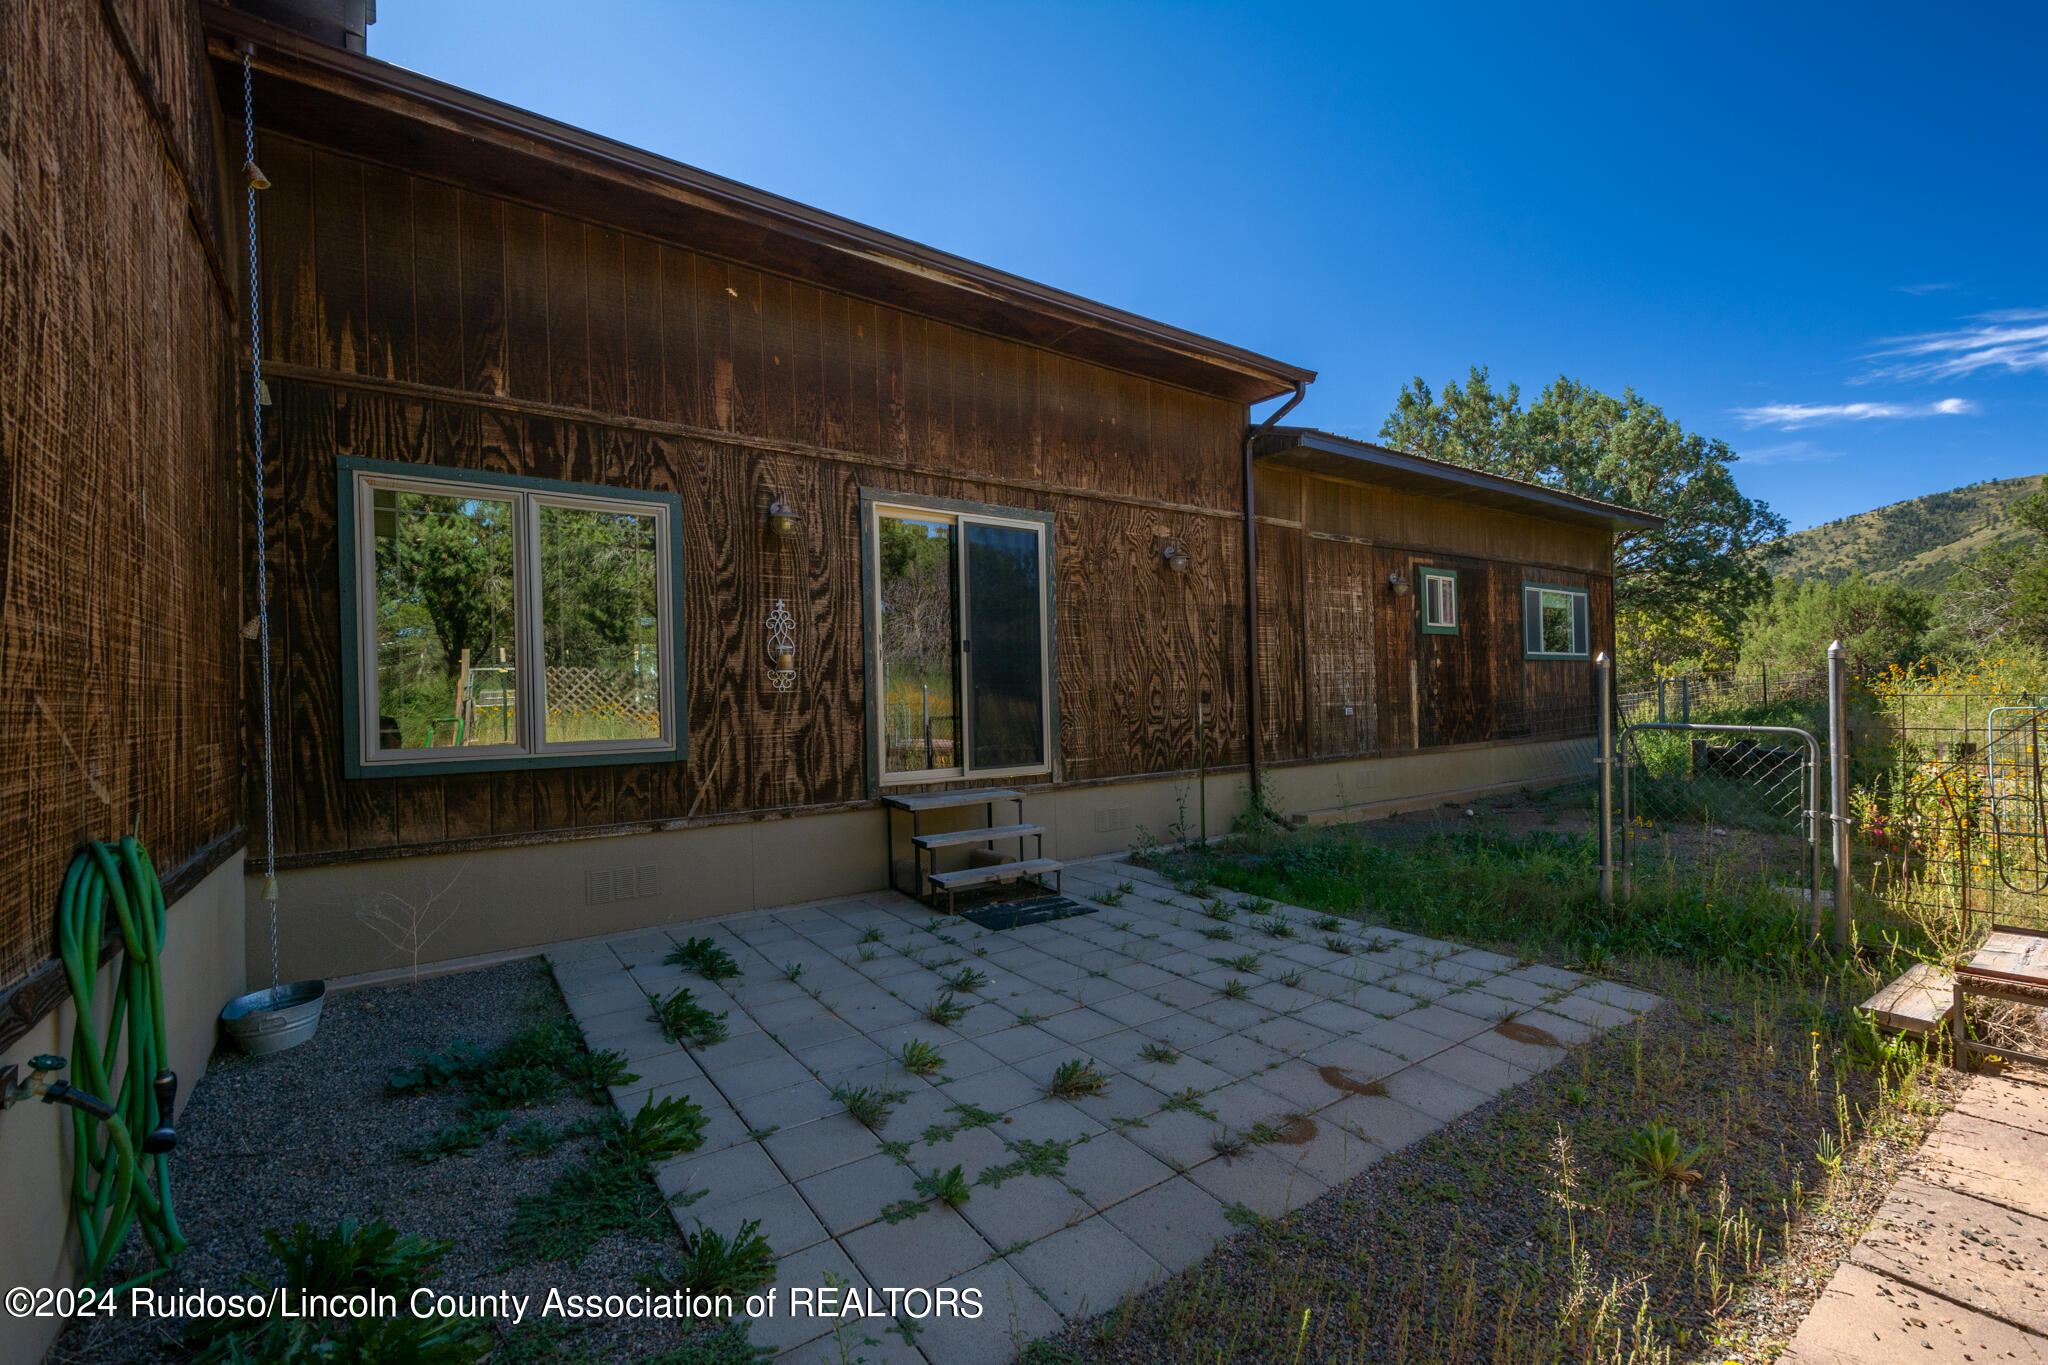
418 321
411 320
119 514
1362 648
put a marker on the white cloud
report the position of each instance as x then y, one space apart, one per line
1789 452
1792 416
2014 341
1923 288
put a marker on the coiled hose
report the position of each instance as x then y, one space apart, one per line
113 1185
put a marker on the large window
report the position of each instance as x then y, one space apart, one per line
1555 622
960 640
501 622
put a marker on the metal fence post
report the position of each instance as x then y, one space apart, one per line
1604 667
1838 785
1685 700
1660 700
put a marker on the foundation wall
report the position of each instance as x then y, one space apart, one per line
202 970
393 914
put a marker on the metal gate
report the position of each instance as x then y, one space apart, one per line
1671 772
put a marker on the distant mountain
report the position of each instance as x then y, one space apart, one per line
1919 542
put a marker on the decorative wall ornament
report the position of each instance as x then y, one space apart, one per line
782 647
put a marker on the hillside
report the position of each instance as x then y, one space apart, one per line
1919 542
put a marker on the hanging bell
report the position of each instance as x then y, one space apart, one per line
255 176
263 398
270 889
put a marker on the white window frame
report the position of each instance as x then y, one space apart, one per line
531 746
963 661
1431 576
1538 595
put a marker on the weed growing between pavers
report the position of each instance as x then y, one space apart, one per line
710 961
1677 1189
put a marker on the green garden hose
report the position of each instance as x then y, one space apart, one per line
114 1185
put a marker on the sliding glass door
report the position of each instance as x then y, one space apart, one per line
960 631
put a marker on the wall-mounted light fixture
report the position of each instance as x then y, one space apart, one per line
1398 584
1174 556
783 521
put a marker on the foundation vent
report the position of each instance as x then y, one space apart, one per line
602 886
1111 818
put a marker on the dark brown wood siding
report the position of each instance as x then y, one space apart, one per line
492 335
118 510
1350 642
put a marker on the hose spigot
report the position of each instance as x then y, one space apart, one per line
13 1092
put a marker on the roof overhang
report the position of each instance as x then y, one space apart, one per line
373 109
1318 452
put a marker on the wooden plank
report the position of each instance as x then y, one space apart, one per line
605 254
1919 1002
387 248
437 283
568 313
642 286
526 303
482 238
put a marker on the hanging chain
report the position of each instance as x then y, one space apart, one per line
256 399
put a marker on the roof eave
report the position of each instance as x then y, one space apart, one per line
1338 457
387 113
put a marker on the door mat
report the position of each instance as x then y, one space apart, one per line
1011 914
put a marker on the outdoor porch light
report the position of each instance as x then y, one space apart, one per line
1175 557
783 520
1398 584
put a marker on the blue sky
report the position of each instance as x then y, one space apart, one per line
1815 232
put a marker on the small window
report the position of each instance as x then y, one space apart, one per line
960 641
1556 623
501 622
1440 601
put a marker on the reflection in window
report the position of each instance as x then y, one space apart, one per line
444 620
1005 653
961 643
920 709
1555 622
599 624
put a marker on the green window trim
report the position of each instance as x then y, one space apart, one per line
1425 578
350 472
1537 599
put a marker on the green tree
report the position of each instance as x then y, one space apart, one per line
1879 624
1998 598
1707 557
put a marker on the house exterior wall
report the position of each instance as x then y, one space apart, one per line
1346 670
419 322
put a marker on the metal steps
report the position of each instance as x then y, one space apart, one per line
976 836
952 882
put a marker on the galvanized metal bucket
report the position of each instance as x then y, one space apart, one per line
267 1021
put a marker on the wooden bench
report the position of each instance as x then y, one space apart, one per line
2012 965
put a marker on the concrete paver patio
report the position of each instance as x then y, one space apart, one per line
1234 1089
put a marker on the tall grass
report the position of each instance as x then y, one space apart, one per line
1537 895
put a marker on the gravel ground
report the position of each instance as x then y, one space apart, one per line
311 1135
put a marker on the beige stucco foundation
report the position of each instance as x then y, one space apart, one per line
202 970
390 915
